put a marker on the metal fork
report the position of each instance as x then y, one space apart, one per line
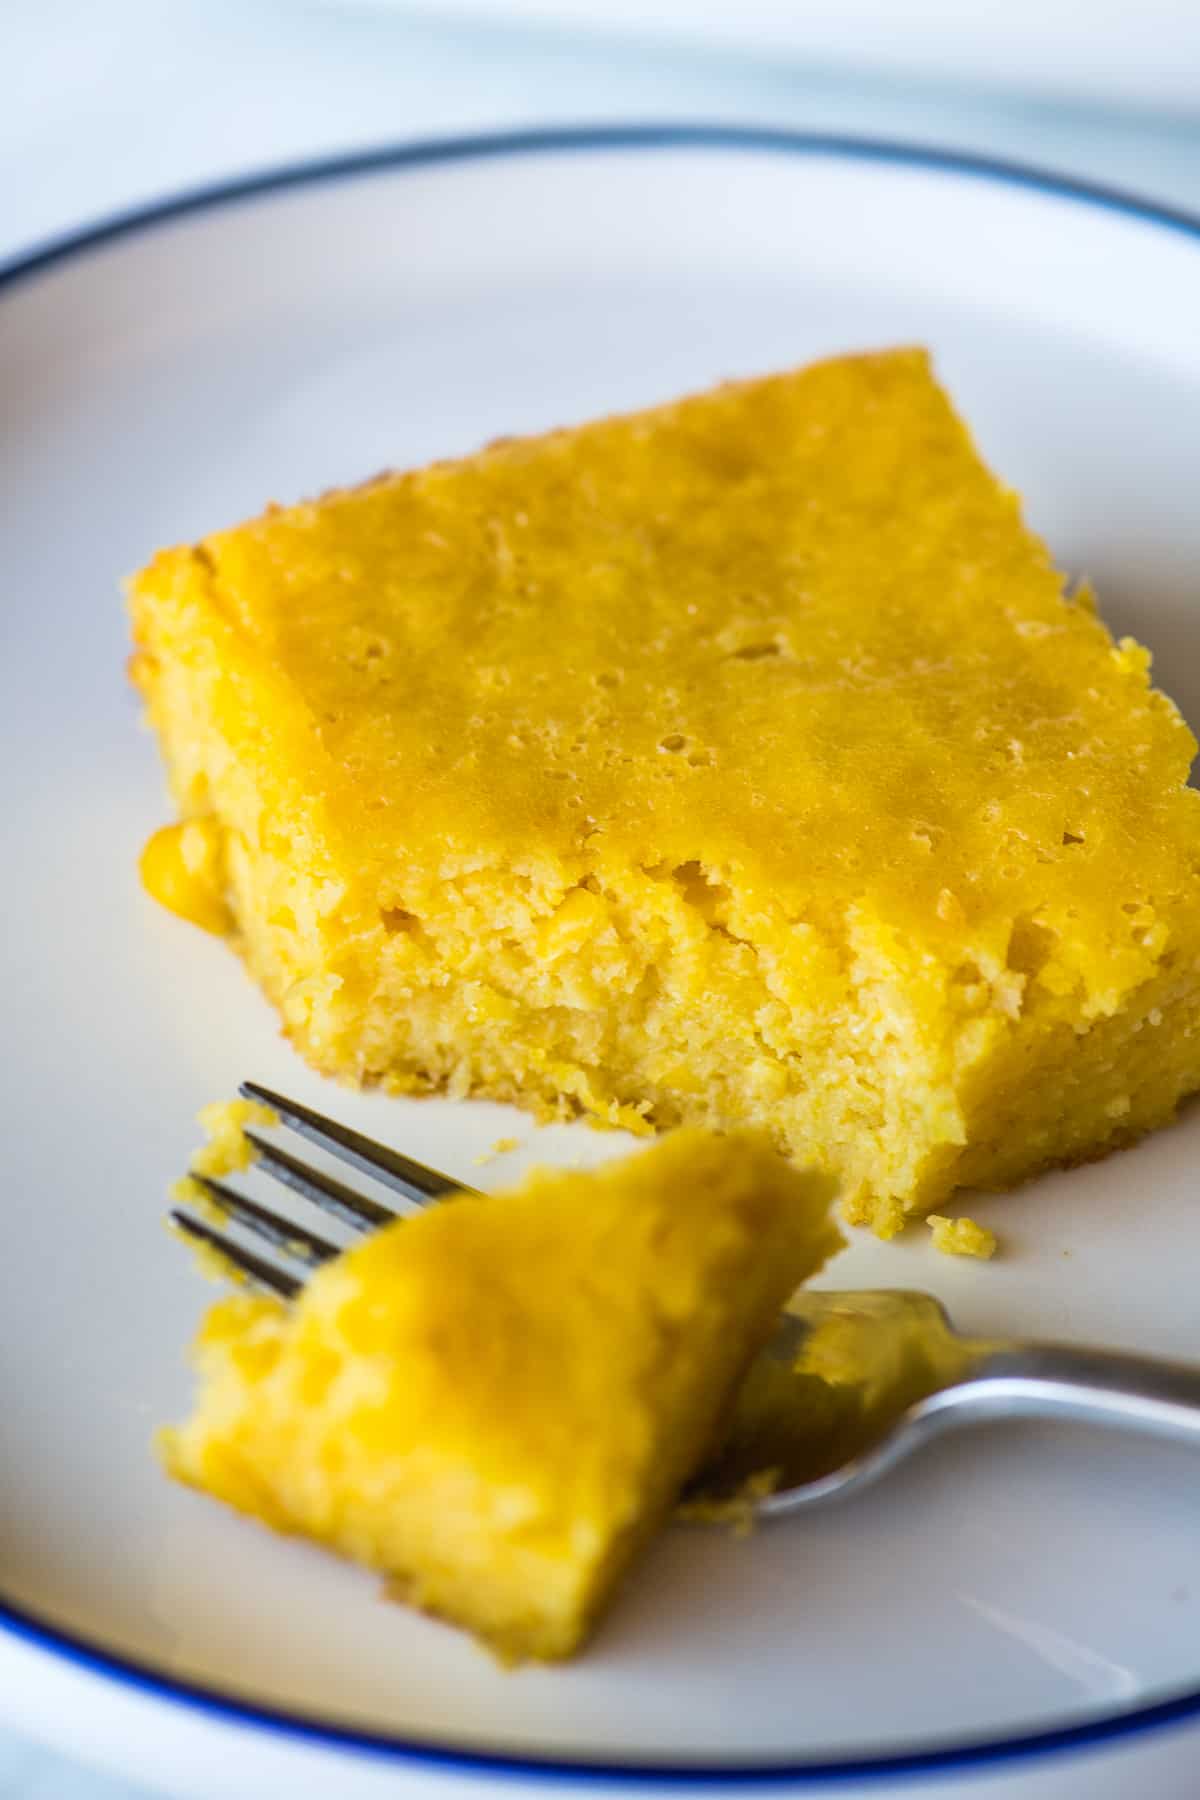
413 1180
911 1375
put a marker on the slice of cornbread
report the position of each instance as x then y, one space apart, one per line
497 1401
746 760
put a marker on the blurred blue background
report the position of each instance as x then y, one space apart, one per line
109 102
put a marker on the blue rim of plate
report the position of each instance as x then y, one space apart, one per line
143 1678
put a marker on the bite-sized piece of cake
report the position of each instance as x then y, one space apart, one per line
497 1401
742 761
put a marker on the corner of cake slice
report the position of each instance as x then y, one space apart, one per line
742 761
497 1401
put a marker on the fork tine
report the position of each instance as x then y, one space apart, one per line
260 1273
295 1240
330 1195
399 1172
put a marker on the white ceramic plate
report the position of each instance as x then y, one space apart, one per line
1017 1591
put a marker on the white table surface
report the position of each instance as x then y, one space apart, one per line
109 103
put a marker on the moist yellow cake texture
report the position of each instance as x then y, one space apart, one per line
745 760
496 1401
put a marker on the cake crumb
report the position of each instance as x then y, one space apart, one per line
187 1191
500 1147
961 1237
228 1148
738 1510
211 1261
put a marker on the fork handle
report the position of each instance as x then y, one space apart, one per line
1065 1381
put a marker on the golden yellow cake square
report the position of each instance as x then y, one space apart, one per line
742 761
497 1401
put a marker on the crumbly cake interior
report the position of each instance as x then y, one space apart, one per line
743 761
495 1402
